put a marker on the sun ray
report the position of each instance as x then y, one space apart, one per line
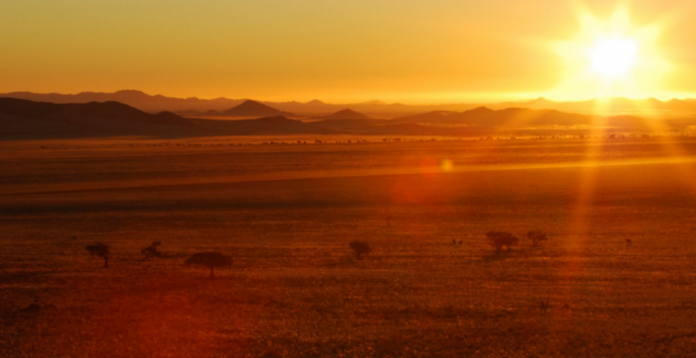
611 57
672 149
579 230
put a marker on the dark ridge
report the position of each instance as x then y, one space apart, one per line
24 119
194 105
346 114
251 108
96 110
516 117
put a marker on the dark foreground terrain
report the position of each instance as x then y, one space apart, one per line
286 213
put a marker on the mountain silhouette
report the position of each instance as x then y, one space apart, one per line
263 126
377 109
27 119
346 114
520 117
133 98
477 116
23 119
96 110
251 108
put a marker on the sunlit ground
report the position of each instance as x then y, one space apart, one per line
296 289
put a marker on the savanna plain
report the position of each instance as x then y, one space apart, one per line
432 286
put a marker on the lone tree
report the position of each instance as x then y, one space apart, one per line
100 249
537 237
151 251
498 239
211 260
360 247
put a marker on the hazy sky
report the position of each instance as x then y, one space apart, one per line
335 50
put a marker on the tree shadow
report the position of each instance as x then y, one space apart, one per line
502 255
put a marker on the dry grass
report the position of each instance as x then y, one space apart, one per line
295 288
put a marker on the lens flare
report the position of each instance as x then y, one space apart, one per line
446 165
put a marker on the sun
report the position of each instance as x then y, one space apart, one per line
613 57
610 57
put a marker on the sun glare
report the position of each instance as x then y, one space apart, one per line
610 57
614 57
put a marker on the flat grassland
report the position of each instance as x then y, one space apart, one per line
286 213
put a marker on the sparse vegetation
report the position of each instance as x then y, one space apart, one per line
537 237
210 260
360 248
297 291
498 239
100 249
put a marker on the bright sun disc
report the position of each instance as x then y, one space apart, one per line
611 58
614 57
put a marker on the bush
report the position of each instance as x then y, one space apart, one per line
498 239
210 260
151 251
537 237
100 249
360 247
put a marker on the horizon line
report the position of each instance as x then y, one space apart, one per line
529 98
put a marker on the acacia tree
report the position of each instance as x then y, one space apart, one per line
537 237
100 249
498 239
360 247
210 260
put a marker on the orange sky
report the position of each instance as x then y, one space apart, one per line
339 50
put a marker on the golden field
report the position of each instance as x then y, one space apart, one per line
285 213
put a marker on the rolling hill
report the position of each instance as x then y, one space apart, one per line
522 117
251 108
346 114
193 106
28 119
23 119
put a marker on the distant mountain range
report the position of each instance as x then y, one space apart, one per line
210 107
346 114
523 117
251 108
24 119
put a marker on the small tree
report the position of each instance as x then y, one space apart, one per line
360 247
100 249
151 251
210 260
537 237
498 239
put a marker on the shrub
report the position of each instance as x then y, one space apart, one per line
498 239
537 237
100 249
210 260
360 247
151 251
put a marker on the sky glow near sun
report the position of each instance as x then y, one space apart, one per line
611 57
414 52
